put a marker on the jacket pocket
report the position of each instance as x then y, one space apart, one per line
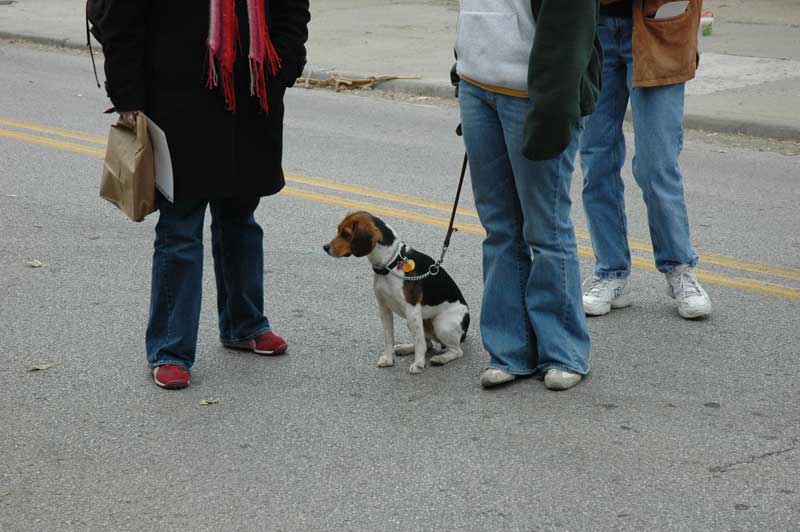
664 50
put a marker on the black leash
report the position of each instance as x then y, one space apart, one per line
434 268
450 228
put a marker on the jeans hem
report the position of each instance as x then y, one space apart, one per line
516 372
164 362
541 370
247 338
613 275
669 268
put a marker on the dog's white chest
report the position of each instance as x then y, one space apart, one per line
389 291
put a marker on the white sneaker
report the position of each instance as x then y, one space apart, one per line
495 377
682 285
604 294
556 379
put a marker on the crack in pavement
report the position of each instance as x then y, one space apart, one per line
753 459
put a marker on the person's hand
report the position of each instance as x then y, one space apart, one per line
129 118
546 135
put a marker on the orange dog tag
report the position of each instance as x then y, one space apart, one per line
409 266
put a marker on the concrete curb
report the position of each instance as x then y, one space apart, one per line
760 129
441 88
49 41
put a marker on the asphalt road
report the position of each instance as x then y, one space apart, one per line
681 426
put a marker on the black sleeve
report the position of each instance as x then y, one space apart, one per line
563 48
125 49
289 33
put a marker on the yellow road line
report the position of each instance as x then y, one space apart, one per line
739 283
53 131
754 267
60 144
718 260
321 183
379 194
379 209
709 258
749 285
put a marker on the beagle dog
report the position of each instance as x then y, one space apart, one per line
432 304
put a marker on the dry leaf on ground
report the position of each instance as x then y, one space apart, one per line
338 83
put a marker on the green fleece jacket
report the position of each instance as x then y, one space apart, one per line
563 75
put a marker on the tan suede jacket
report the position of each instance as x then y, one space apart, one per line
664 50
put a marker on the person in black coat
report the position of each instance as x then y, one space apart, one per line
218 95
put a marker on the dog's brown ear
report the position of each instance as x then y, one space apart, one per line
362 243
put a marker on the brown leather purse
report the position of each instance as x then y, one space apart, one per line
664 49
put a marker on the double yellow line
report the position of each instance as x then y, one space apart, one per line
51 137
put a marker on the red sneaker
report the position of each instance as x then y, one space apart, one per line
263 344
171 376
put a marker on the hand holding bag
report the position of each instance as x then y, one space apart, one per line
129 170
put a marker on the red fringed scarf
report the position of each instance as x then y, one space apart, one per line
223 36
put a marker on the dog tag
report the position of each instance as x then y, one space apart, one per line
409 266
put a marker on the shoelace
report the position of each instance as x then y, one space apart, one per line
687 284
598 288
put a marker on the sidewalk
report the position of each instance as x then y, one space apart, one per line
748 82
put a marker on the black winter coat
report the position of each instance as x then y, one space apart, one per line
156 62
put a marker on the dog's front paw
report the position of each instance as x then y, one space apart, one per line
415 368
386 361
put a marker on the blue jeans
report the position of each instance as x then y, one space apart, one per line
658 140
532 317
238 250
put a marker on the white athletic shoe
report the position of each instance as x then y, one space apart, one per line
604 294
495 377
683 286
556 379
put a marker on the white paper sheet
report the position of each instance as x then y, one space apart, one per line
164 178
672 9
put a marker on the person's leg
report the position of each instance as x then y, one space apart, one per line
658 134
602 149
177 282
658 140
506 331
553 288
238 249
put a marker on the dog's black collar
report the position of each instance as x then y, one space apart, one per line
392 264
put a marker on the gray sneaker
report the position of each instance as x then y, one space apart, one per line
605 294
495 377
683 286
557 379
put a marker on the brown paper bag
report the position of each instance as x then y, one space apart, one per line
129 171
